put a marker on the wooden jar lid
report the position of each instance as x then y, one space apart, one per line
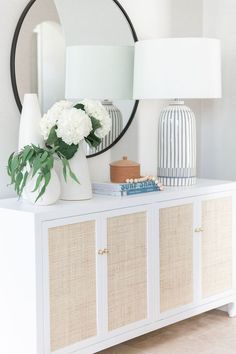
124 169
125 163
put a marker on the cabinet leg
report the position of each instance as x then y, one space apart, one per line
232 309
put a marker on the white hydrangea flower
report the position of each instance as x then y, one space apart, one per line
51 118
58 107
98 111
73 126
46 125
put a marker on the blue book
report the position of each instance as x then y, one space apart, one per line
141 190
120 187
127 192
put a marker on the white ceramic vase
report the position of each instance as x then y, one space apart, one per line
29 132
71 190
51 195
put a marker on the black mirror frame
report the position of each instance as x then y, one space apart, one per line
13 68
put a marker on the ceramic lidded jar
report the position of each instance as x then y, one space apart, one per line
124 169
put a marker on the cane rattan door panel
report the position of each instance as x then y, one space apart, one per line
216 246
176 256
127 269
72 273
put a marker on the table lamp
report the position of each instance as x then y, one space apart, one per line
177 69
103 73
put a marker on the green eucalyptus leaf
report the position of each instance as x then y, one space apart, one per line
36 165
44 156
52 138
24 182
73 176
43 190
64 163
50 162
38 182
47 178
14 163
30 157
9 164
27 150
19 179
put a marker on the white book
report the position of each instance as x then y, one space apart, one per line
119 187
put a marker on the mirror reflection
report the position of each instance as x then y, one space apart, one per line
78 49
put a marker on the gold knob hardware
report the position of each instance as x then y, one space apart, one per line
199 229
104 251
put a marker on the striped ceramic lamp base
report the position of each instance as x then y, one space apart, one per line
116 130
177 146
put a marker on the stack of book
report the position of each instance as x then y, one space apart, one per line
124 189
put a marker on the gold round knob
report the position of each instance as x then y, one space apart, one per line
199 229
104 251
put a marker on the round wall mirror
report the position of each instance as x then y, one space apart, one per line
77 49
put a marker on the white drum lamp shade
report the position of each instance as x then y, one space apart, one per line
177 68
186 68
99 72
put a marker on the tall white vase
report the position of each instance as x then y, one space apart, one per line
71 190
29 132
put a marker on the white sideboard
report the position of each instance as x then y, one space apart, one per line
79 277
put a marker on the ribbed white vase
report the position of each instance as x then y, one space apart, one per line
71 190
29 132
177 146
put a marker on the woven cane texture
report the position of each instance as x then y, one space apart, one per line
216 246
176 256
127 269
72 273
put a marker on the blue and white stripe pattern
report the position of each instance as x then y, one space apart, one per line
116 130
177 146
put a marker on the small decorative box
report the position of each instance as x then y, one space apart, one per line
124 169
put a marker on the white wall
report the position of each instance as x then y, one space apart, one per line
218 127
9 115
187 21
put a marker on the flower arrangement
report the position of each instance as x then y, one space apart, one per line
63 128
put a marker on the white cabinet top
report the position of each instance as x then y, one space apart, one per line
104 203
